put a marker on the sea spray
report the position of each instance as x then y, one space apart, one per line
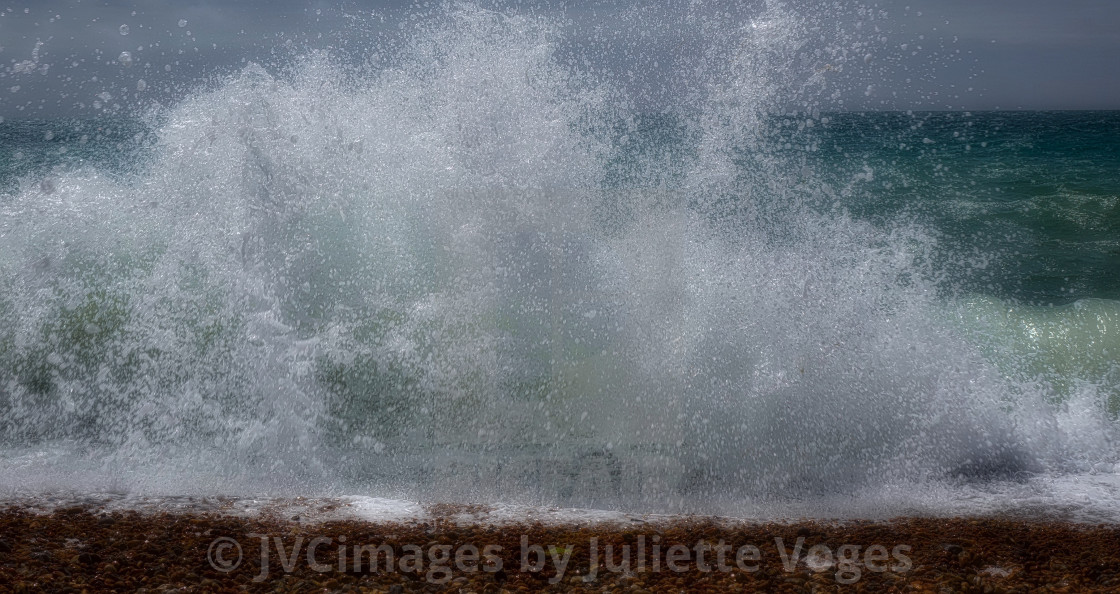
450 274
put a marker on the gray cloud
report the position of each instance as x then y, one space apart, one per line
63 57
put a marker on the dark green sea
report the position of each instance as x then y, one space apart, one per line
1033 196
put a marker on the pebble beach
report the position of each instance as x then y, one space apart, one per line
461 548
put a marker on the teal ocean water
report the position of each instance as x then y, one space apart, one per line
475 275
1035 193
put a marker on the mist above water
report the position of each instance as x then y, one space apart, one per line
473 270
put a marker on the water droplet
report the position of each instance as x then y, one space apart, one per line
124 29
182 23
141 85
125 59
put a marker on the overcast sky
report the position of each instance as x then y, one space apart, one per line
68 56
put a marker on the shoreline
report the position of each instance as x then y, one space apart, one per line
453 548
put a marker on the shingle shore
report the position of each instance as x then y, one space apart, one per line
83 549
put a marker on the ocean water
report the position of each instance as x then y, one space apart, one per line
472 271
